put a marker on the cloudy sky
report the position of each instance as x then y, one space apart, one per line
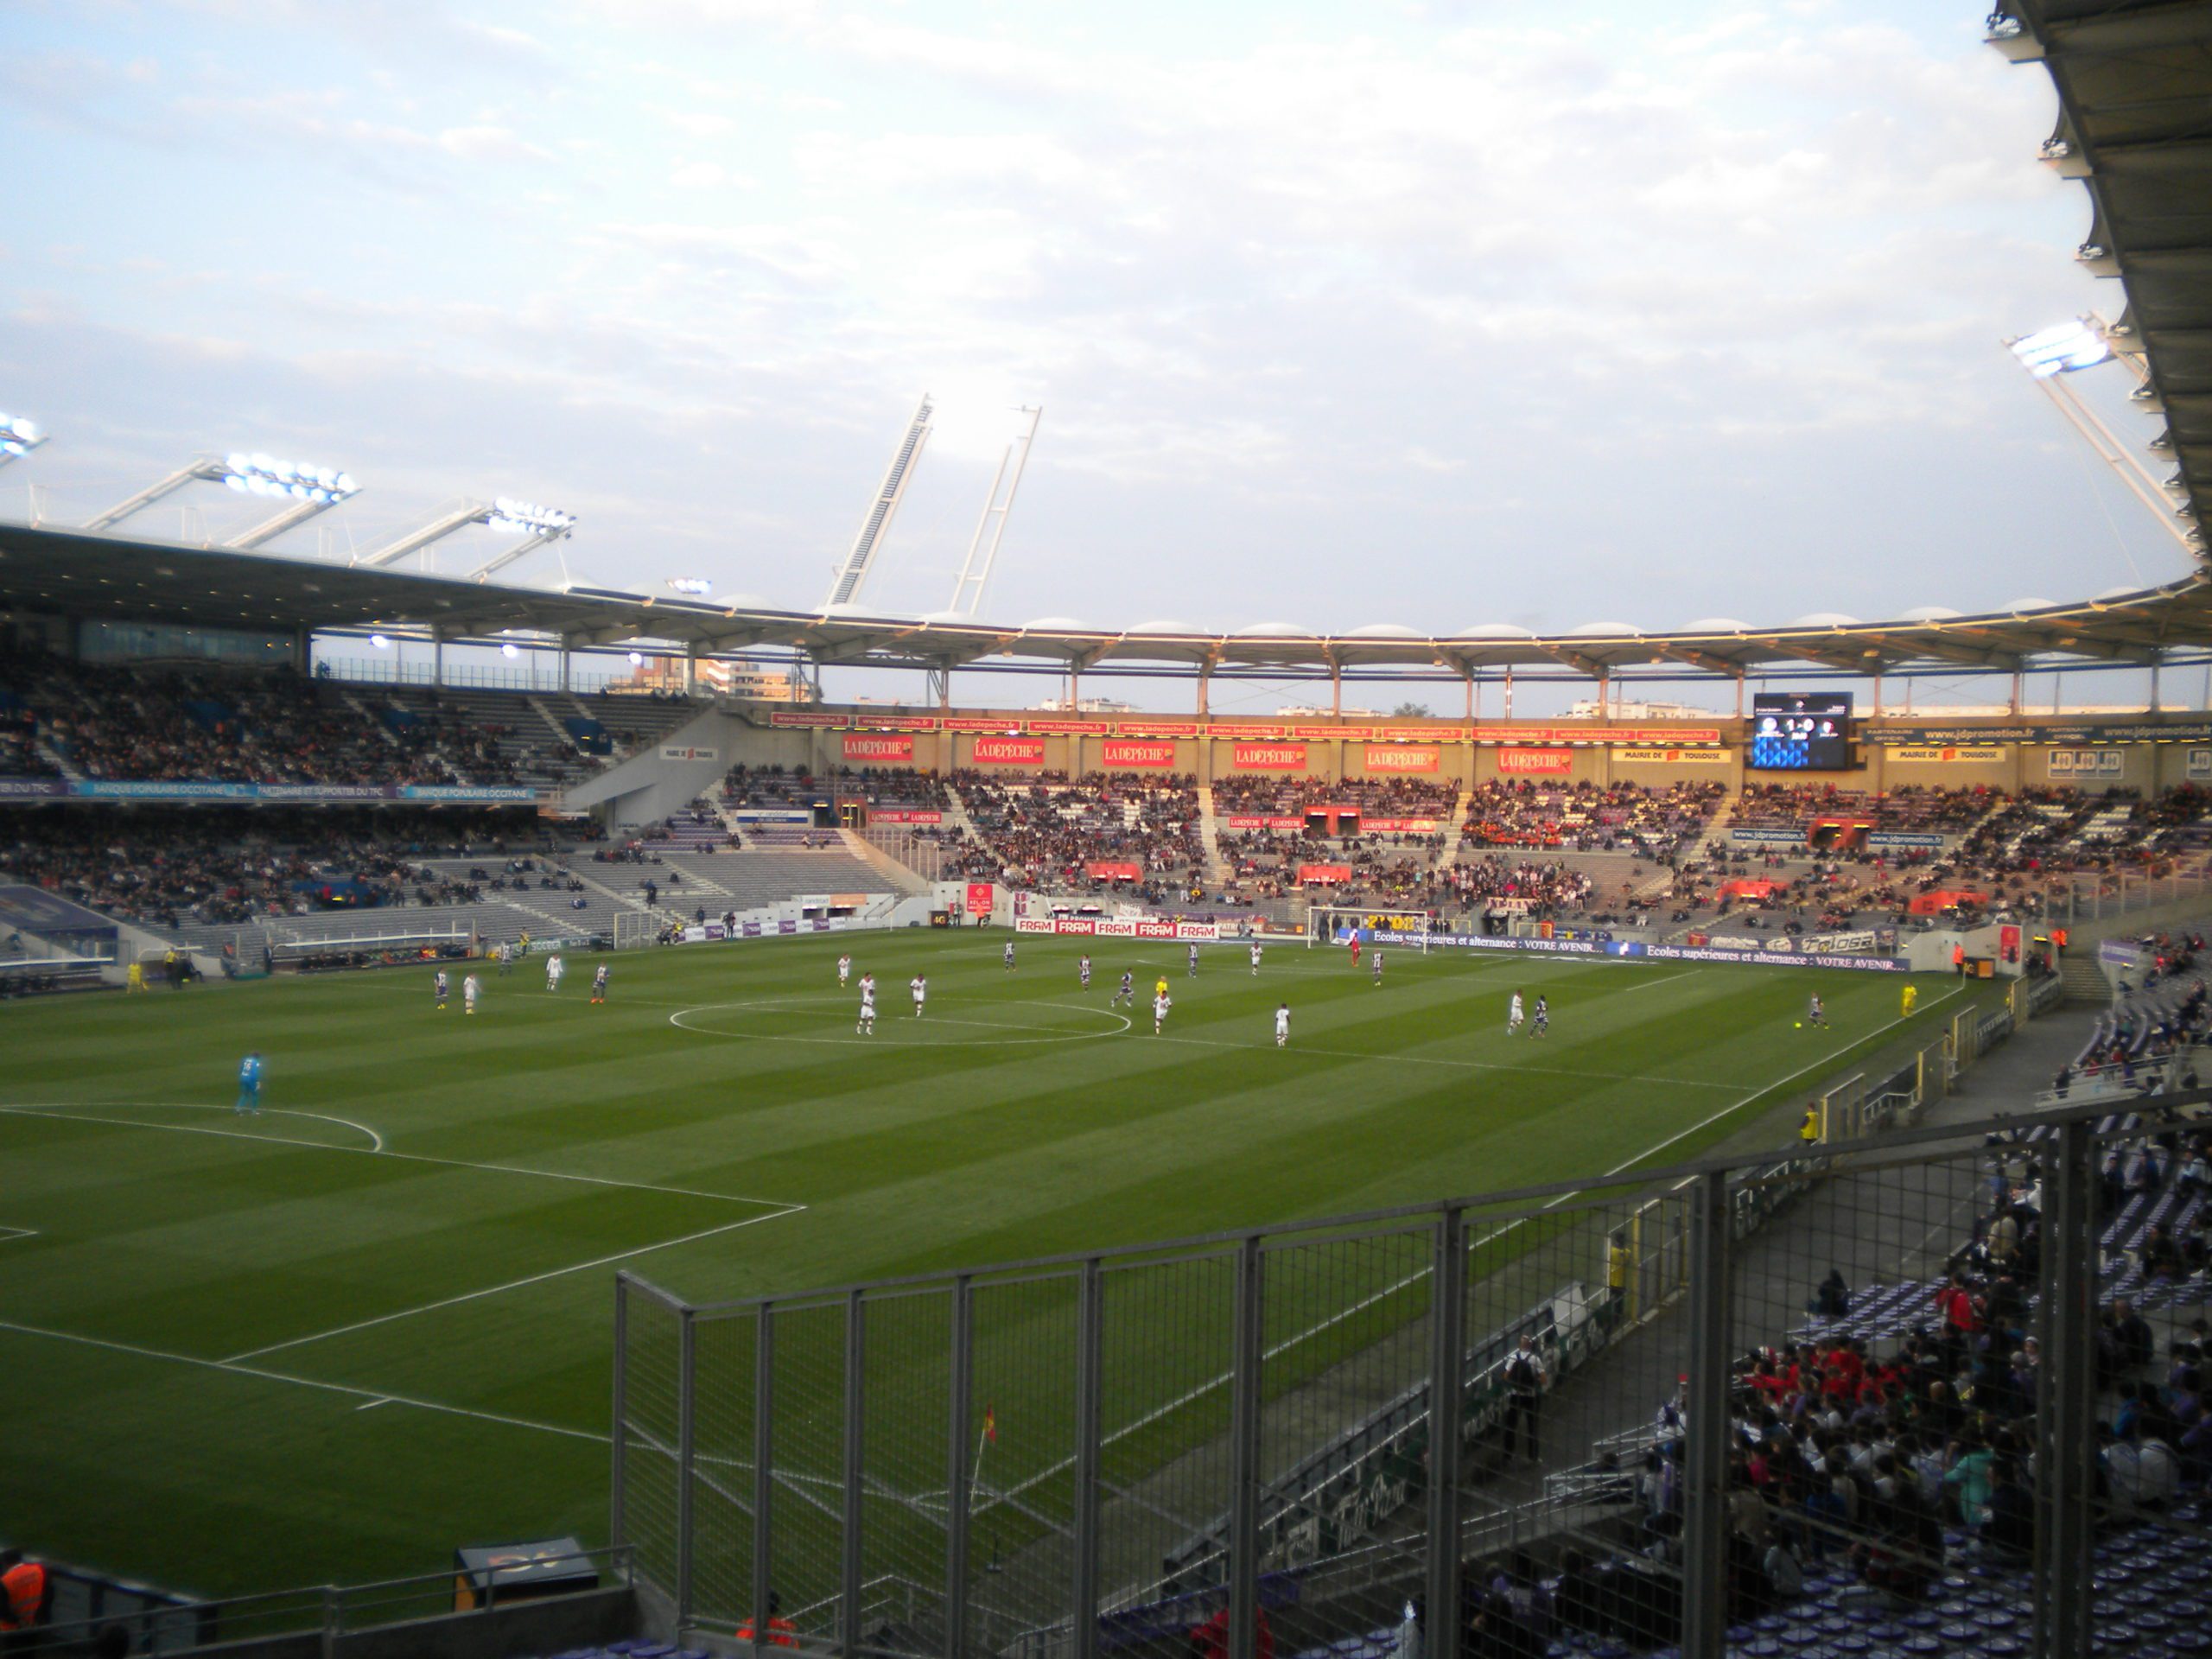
1437 313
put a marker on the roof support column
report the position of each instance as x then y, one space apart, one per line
1509 690
2013 707
1336 691
2154 682
1473 704
1206 677
1877 694
437 658
1740 696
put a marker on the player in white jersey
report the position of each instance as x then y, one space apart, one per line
469 990
844 971
1282 1024
1160 1003
506 958
866 1025
1127 996
1006 956
1083 968
1255 958
439 990
921 988
1513 1015
1817 1016
1378 967
554 968
1194 961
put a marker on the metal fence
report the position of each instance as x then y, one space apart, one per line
1229 1439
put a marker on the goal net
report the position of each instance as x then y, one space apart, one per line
1406 930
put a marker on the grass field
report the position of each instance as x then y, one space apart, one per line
334 1341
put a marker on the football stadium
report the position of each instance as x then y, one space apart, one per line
552 1117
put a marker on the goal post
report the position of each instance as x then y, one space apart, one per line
1405 929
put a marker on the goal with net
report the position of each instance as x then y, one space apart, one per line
1339 924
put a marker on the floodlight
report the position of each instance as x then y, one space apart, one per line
379 642
2072 345
637 659
690 584
19 435
509 650
262 474
528 519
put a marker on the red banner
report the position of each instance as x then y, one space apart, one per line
1324 873
1248 822
894 722
979 898
1679 736
903 815
1113 870
1008 752
1331 734
1242 728
1159 727
798 717
1390 757
1525 762
1121 751
1008 723
1418 735
1400 826
1066 727
1269 757
873 748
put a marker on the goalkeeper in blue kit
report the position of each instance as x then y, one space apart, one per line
249 1085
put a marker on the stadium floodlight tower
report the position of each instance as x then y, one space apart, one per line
2052 355
536 524
997 508
19 435
852 575
304 490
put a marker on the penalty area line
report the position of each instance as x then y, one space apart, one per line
513 1284
374 1396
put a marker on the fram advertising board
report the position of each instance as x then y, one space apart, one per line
1110 927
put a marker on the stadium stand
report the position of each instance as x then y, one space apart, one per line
1051 833
1653 823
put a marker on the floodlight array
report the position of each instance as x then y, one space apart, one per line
261 474
2071 345
19 435
693 585
528 519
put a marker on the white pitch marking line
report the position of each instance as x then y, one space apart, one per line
1296 1047
797 1003
66 1112
375 1141
376 1394
8 1235
373 1404
495 1290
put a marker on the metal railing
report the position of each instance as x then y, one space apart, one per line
153 1624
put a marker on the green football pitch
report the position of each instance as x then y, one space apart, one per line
331 1342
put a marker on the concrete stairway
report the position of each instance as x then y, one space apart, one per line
1217 866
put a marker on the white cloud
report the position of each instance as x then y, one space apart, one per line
491 144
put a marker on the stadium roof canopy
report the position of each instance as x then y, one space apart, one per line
2135 81
103 577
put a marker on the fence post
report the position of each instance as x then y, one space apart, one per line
687 1356
617 1488
2066 1442
956 1474
1246 1349
764 1448
1089 1330
1705 1454
848 1577
1447 1372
